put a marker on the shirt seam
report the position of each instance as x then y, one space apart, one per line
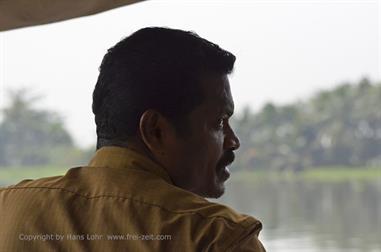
128 198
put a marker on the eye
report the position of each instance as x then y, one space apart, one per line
220 123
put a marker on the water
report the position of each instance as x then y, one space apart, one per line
312 216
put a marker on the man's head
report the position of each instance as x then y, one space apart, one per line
166 93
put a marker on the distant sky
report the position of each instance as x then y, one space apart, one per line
286 50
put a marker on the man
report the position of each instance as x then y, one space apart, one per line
162 104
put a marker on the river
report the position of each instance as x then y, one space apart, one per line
305 216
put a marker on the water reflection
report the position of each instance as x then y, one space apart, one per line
312 216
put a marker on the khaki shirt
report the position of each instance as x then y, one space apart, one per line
121 201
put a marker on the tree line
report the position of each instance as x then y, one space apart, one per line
338 127
31 136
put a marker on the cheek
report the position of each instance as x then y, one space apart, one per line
206 150
214 149
216 141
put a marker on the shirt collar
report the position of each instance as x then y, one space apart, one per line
125 158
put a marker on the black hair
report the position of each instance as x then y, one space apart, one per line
154 68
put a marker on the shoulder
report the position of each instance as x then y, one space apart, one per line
37 185
217 225
233 227
25 184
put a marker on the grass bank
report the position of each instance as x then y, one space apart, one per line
318 174
11 175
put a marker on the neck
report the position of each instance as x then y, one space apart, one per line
133 143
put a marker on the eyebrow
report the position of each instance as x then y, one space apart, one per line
229 109
225 106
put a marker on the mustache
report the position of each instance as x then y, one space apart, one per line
226 159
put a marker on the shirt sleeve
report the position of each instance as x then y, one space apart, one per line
21 13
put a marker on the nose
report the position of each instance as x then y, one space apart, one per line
231 141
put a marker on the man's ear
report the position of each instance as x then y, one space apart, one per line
154 129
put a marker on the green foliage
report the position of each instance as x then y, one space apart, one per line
341 127
30 136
